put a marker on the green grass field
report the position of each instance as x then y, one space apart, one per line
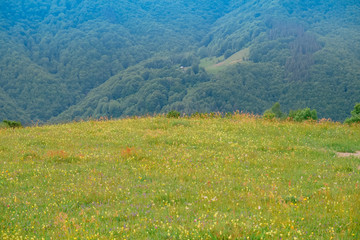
217 64
190 178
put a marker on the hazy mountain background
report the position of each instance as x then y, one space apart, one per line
62 60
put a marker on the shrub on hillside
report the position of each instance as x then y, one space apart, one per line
173 114
12 124
355 115
303 114
274 112
268 115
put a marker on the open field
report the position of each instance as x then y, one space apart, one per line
214 64
189 178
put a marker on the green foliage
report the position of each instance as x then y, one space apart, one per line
228 53
173 114
12 124
303 114
268 114
274 112
356 110
65 60
87 43
355 115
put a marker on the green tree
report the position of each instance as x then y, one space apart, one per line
355 115
195 68
274 112
303 114
228 53
12 124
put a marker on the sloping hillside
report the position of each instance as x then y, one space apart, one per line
294 58
78 59
54 53
203 177
307 44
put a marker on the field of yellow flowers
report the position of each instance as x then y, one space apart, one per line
208 177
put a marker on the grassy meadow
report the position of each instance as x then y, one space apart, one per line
216 64
239 177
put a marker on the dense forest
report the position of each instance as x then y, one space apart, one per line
63 60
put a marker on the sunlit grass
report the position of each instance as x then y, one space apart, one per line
188 178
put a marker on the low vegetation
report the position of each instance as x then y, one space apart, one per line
200 177
11 124
173 114
294 115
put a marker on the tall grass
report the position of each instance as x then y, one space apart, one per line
189 178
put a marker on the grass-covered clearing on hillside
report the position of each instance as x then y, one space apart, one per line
216 64
188 178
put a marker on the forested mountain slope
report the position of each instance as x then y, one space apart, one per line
302 53
63 60
55 52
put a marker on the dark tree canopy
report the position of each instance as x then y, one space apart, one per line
65 60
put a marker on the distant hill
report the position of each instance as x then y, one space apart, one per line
67 60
